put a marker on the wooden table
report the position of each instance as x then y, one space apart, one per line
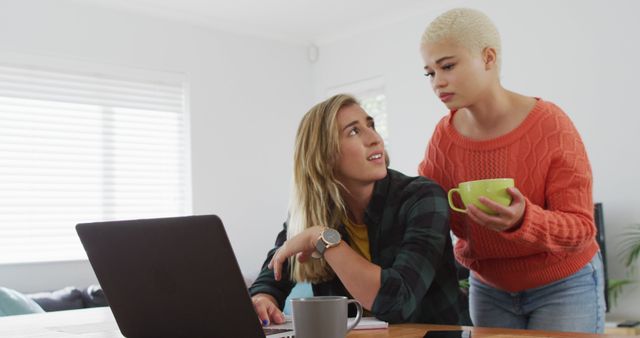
99 323
419 330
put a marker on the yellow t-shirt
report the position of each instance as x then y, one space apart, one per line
359 238
360 243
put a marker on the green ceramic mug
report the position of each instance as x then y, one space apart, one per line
494 189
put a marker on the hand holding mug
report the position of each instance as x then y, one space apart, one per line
493 203
504 217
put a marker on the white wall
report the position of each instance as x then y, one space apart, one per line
247 95
582 55
246 98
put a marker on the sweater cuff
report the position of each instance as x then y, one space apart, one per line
524 232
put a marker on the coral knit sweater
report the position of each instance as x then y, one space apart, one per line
548 161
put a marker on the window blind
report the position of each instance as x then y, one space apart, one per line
82 148
372 97
374 102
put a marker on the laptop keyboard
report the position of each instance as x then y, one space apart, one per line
268 331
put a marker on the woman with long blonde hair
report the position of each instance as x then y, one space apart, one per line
359 229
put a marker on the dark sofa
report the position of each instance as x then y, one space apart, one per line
70 298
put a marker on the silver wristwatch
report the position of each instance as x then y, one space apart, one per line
328 239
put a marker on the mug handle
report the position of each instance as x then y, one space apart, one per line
450 198
358 315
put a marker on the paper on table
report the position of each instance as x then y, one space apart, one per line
369 323
366 323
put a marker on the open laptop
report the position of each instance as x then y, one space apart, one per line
172 277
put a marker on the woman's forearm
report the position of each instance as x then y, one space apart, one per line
359 276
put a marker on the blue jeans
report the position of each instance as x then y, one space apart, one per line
573 304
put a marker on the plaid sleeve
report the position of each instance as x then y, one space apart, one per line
412 275
266 282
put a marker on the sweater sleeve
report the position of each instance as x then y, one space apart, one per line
425 168
266 282
422 167
566 222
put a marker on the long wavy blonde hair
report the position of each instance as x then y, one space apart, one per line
316 198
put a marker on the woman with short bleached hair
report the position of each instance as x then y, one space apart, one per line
535 264
359 229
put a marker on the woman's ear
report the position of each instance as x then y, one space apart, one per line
489 57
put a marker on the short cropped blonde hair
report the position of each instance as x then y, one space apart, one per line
467 27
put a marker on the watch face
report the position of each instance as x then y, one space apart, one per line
332 236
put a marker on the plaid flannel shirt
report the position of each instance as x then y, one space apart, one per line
408 225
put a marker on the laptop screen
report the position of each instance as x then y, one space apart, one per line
170 277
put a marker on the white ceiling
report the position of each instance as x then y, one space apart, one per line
295 21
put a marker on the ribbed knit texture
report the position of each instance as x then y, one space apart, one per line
548 161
